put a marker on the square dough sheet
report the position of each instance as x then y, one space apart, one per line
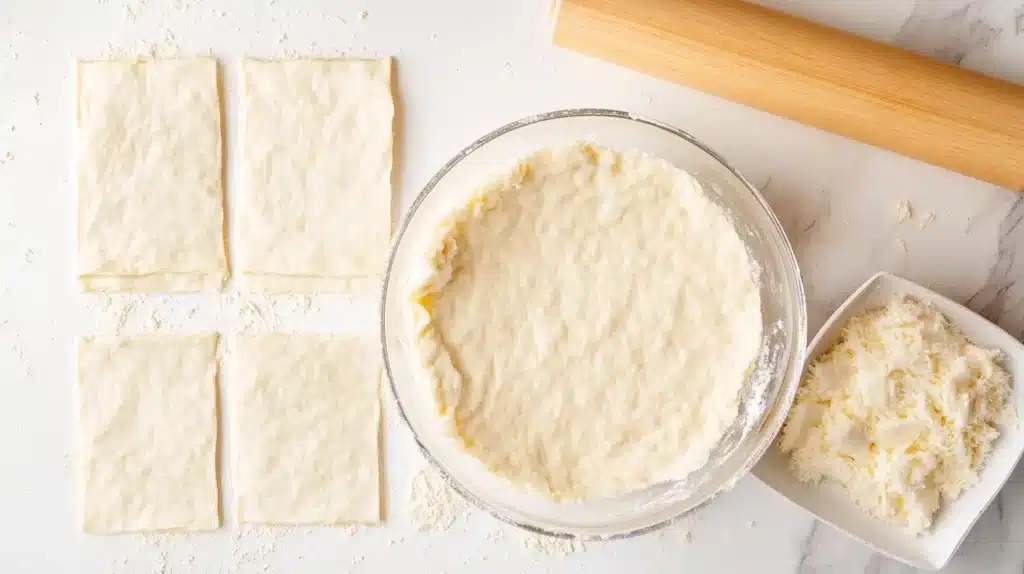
150 197
315 214
147 433
306 412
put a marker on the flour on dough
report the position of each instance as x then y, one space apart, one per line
587 323
150 198
316 157
306 425
147 433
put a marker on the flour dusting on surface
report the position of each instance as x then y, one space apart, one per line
171 553
495 534
253 548
551 546
901 211
433 504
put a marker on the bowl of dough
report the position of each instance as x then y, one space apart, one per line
591 323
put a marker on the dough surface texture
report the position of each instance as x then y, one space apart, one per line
307 422
587 322
150 197
147 433
316 156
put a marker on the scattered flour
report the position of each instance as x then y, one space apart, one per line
349 531
165 47
433 504
902 211
126 314
496 534
169 553
253 548
924 219
15 362
245 549
111 313
551 546
252 313
263 313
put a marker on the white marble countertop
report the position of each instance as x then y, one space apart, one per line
465 67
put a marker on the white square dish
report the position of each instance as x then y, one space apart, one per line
830 504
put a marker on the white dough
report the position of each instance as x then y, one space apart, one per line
147 433
588 323
307 421
150 200
316 154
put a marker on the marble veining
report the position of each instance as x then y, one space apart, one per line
998 298
953 31
948 35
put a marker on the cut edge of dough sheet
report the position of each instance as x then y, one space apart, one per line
306 429
146 441
149 176
316 209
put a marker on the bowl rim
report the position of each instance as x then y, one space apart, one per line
796 360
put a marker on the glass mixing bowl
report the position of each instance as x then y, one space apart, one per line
762 412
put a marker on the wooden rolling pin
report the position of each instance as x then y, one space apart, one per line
878 94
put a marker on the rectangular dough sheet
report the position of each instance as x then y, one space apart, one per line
306 425
150 198
316 154
147 433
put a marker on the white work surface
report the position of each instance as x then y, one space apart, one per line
464 68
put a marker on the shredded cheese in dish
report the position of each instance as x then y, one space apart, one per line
902 411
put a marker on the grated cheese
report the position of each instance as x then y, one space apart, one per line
901 411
